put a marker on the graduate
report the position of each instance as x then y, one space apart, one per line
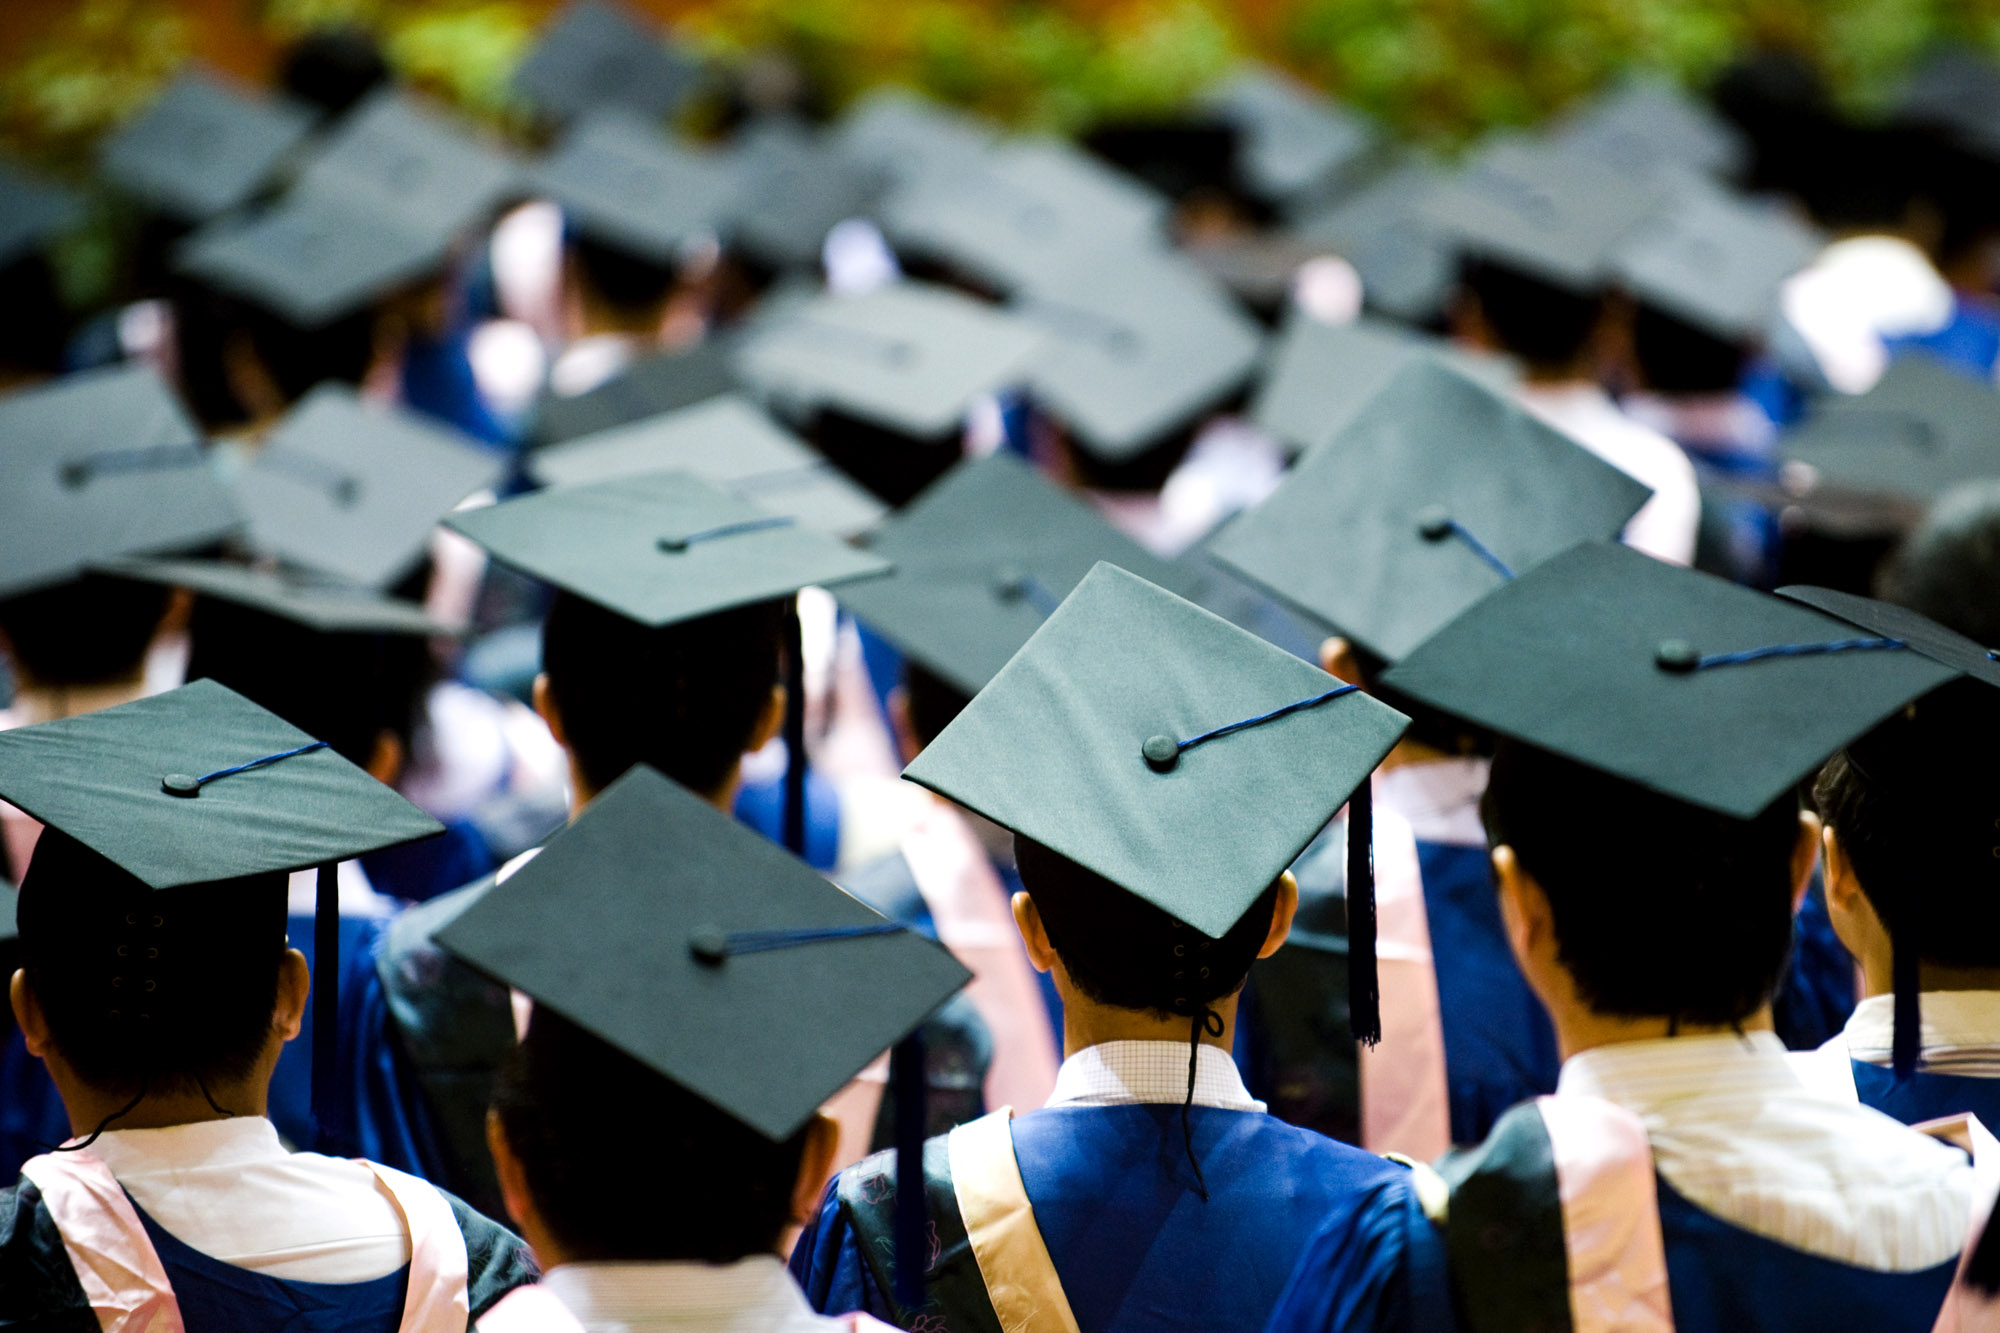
1649 851
731 991
1148 757
1435 493
157 985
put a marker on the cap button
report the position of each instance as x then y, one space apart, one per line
709 945
1434 523
346 492
672 544
180 784
1161 752
1677 656
1010 582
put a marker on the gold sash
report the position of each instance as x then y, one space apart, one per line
1013 1260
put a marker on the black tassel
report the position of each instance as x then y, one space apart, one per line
1982 1270
793 827
329 1110
1905 1046
1364 990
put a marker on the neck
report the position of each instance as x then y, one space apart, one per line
1579 1030
581 793
40 701
89 1106
1413 752
1087 1023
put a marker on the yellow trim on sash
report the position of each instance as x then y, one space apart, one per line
1432 1191
999 1221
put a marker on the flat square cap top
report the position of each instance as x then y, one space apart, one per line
100 464
1714 260
982 557
1921 430
324 607
203 147
910 357
1074 744
412 163
908 137
310 260
632 924
1925 637
1297 141
792 188
598 55
645 388
1392 528
172 789
33 211
1406 263
661 548
353 489
1601 655
620 180
726 441
1648 124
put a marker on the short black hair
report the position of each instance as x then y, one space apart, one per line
207 323
35 335
557 1094
1949 568
1122 951
1916 807
932 701
683 698
332 68
169 989
1675 356
627 281
1662 909
84 631
1541 323
894 467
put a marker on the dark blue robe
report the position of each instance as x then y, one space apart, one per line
1927 1096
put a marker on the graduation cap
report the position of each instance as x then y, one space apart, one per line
598 55
99 464
1405 261
33 212
199 785
408 162
908 137
1553 213
1437 492
1668 678
726 441
647 387
310 259
353 489
1922 429
1714 261
910 357
1181 156
1299 144
312 603
203 147
792 188
1160 747
1650 125
1321 375
620 181
1138 347
983 556
1956 91
728 967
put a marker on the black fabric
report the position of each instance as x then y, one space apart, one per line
497 1260
955 1292
1509 1257
39 1291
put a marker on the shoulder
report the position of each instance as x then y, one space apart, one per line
1376 1265
497 1260
38 1287
420 982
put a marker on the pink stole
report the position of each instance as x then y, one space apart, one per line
126 1284
1965 1310
1405 1104
1611 1216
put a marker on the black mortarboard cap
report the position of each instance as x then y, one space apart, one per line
621 181
647 387
309 260
1437 492
1298 144
726 441
661 548
907 137
1956 91
33 212
982 557
1925 637
1405 262
705 952
1650 125
1922 429
1678 681
203 147
1714 260
909 357
353 489
599 55
792 187
406 161
315 604
100 464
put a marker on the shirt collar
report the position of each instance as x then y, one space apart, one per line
237 1141
630 1292
1438 798
1952 1020
1128 1073
1645 1076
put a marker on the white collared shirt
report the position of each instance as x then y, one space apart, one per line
1130 1073
1664 527
754 1295
1735 1132
1960 1033
1437 798
229 1189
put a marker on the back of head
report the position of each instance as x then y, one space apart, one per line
932 702
629 283
1675 357
35 334
1949 568
88 631
684 698
212 331
1428 727
333 68
1543 324
1914 804
560 1096
166 990
1661 909
1122 951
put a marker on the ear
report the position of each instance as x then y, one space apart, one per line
545 708
815 1167
905 731
1805 855
294 985
28 1014
1027 920
1842 888
1336 658
1524 914
513 1179
1282 913
769 722
385 764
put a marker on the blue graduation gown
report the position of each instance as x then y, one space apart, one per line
32 1118
1925 1095
1133 1244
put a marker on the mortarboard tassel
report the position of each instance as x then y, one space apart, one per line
1904 1046
793 825
326 1105
1364 991
906 1079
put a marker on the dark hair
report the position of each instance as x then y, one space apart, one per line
1916 807
1949 568
168 988
553 1094
932 701
333 68
1677 357
1122 951
344 689
893 466
206 323
684 698
1428 726
1544 325
627 281
83 632
35 334
1662 909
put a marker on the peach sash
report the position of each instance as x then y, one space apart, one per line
1611 1216
1405 1106
1967 1311
1000 1225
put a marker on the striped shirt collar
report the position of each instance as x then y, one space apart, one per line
751 1293
1438 798
1128 1073
1961 1028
